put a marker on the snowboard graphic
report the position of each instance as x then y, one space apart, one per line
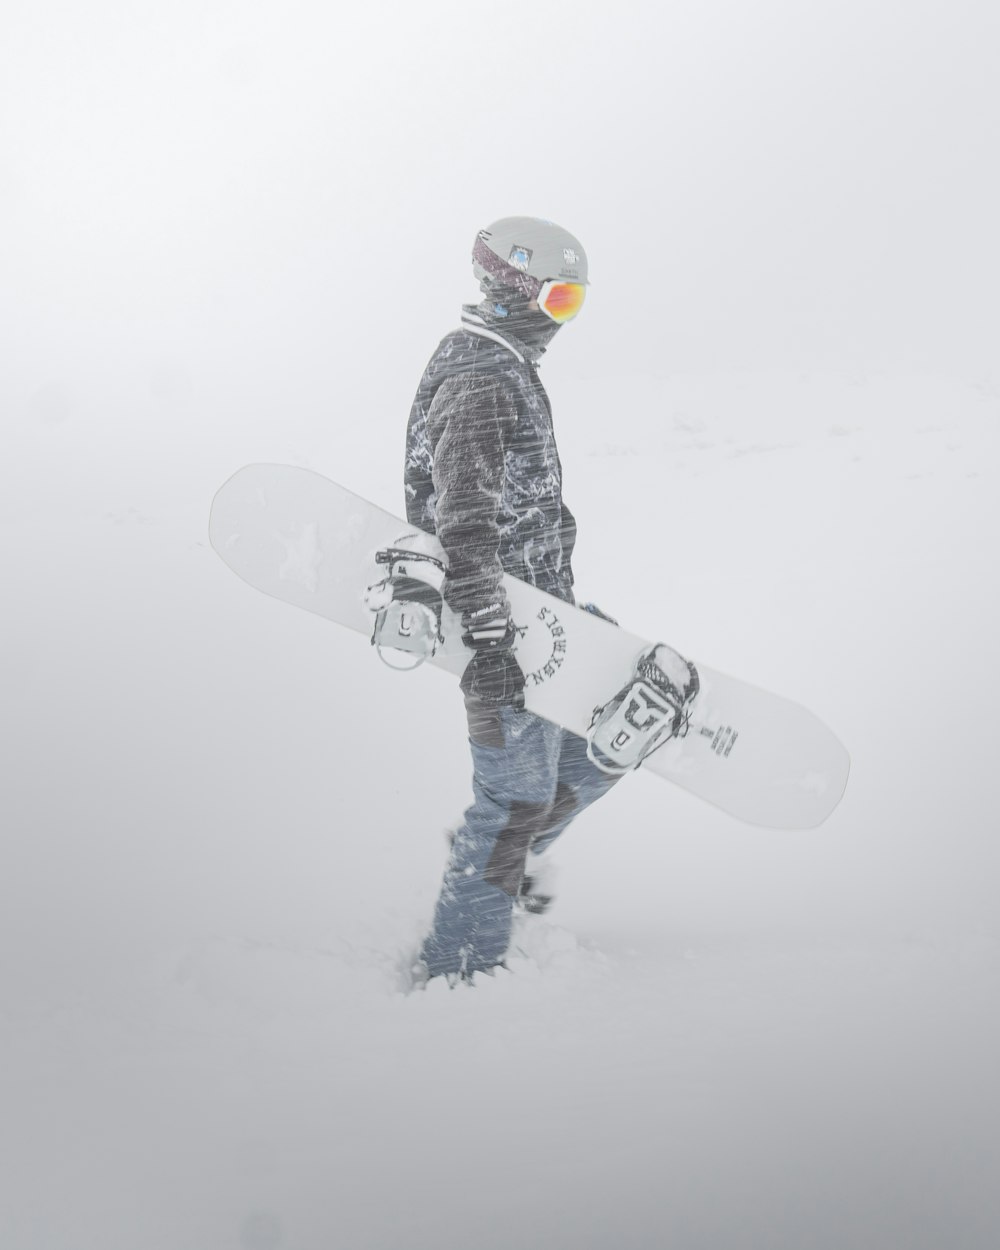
301 538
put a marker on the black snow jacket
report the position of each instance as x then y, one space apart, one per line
482 471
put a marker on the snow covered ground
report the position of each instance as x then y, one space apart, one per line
215 858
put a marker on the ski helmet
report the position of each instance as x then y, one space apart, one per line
527 258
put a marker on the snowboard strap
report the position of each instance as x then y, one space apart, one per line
653 707
407 605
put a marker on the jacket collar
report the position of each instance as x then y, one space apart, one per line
474 321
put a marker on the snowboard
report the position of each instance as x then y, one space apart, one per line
303 539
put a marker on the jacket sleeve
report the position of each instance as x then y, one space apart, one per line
469 424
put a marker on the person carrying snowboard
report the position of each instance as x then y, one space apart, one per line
482 473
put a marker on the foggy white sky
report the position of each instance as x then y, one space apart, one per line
770 184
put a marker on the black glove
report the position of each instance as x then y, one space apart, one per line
493 675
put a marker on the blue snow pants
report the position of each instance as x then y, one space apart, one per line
530 779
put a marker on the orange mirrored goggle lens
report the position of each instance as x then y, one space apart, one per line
561 300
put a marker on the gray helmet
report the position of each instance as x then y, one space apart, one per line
525 252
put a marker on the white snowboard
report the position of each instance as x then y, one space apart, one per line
298 536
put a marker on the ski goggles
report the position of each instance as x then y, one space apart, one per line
561 300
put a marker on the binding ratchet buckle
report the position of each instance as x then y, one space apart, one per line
653 707
407 605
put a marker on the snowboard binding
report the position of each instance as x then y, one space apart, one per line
652 708
407 604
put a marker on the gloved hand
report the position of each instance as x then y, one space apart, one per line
493 675
495 678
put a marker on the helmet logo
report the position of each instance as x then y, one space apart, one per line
519 258
570 257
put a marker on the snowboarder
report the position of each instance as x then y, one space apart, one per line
483 473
